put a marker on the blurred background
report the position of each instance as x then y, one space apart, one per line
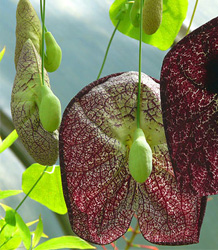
82 28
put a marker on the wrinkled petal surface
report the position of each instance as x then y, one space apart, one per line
167 216
101 196
42 145
189 87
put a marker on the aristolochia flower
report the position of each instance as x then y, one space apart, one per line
95 137
189 97
41 144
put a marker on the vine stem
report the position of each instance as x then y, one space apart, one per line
192 17
42 15
134 233
40 177
108 47
43 36
140 69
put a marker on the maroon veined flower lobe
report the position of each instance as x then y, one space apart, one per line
189 97
101 196
41 145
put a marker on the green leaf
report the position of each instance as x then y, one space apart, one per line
49 190
7 193
174 13
11 244
24 231
2 222
10 222
10 216
31 223
8 141
37 234
65 242
2 53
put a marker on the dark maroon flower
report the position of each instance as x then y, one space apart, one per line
101 195
189 97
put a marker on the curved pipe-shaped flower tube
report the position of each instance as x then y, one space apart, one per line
189 97
28 27
42 145
101 195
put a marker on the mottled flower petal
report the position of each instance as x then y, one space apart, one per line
166 215
95 135
42 145
189 88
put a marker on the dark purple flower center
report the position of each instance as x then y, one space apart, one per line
212 75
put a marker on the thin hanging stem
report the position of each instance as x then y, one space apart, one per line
40 177
42 15
192 17
134 233
108 47
140 70
43 36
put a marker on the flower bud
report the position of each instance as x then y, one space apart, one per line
53 53
49 110
152 15
140 157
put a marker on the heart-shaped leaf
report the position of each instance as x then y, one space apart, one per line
189 87
96 134
42 145
48 190
173 15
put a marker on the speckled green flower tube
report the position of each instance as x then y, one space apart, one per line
28 27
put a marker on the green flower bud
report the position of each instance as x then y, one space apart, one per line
49 109
140 157
135 13
53 53
152 15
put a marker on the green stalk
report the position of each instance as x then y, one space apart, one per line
8 141
40 177
134 233
192 17
43 36
140 70
42 14
108 47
